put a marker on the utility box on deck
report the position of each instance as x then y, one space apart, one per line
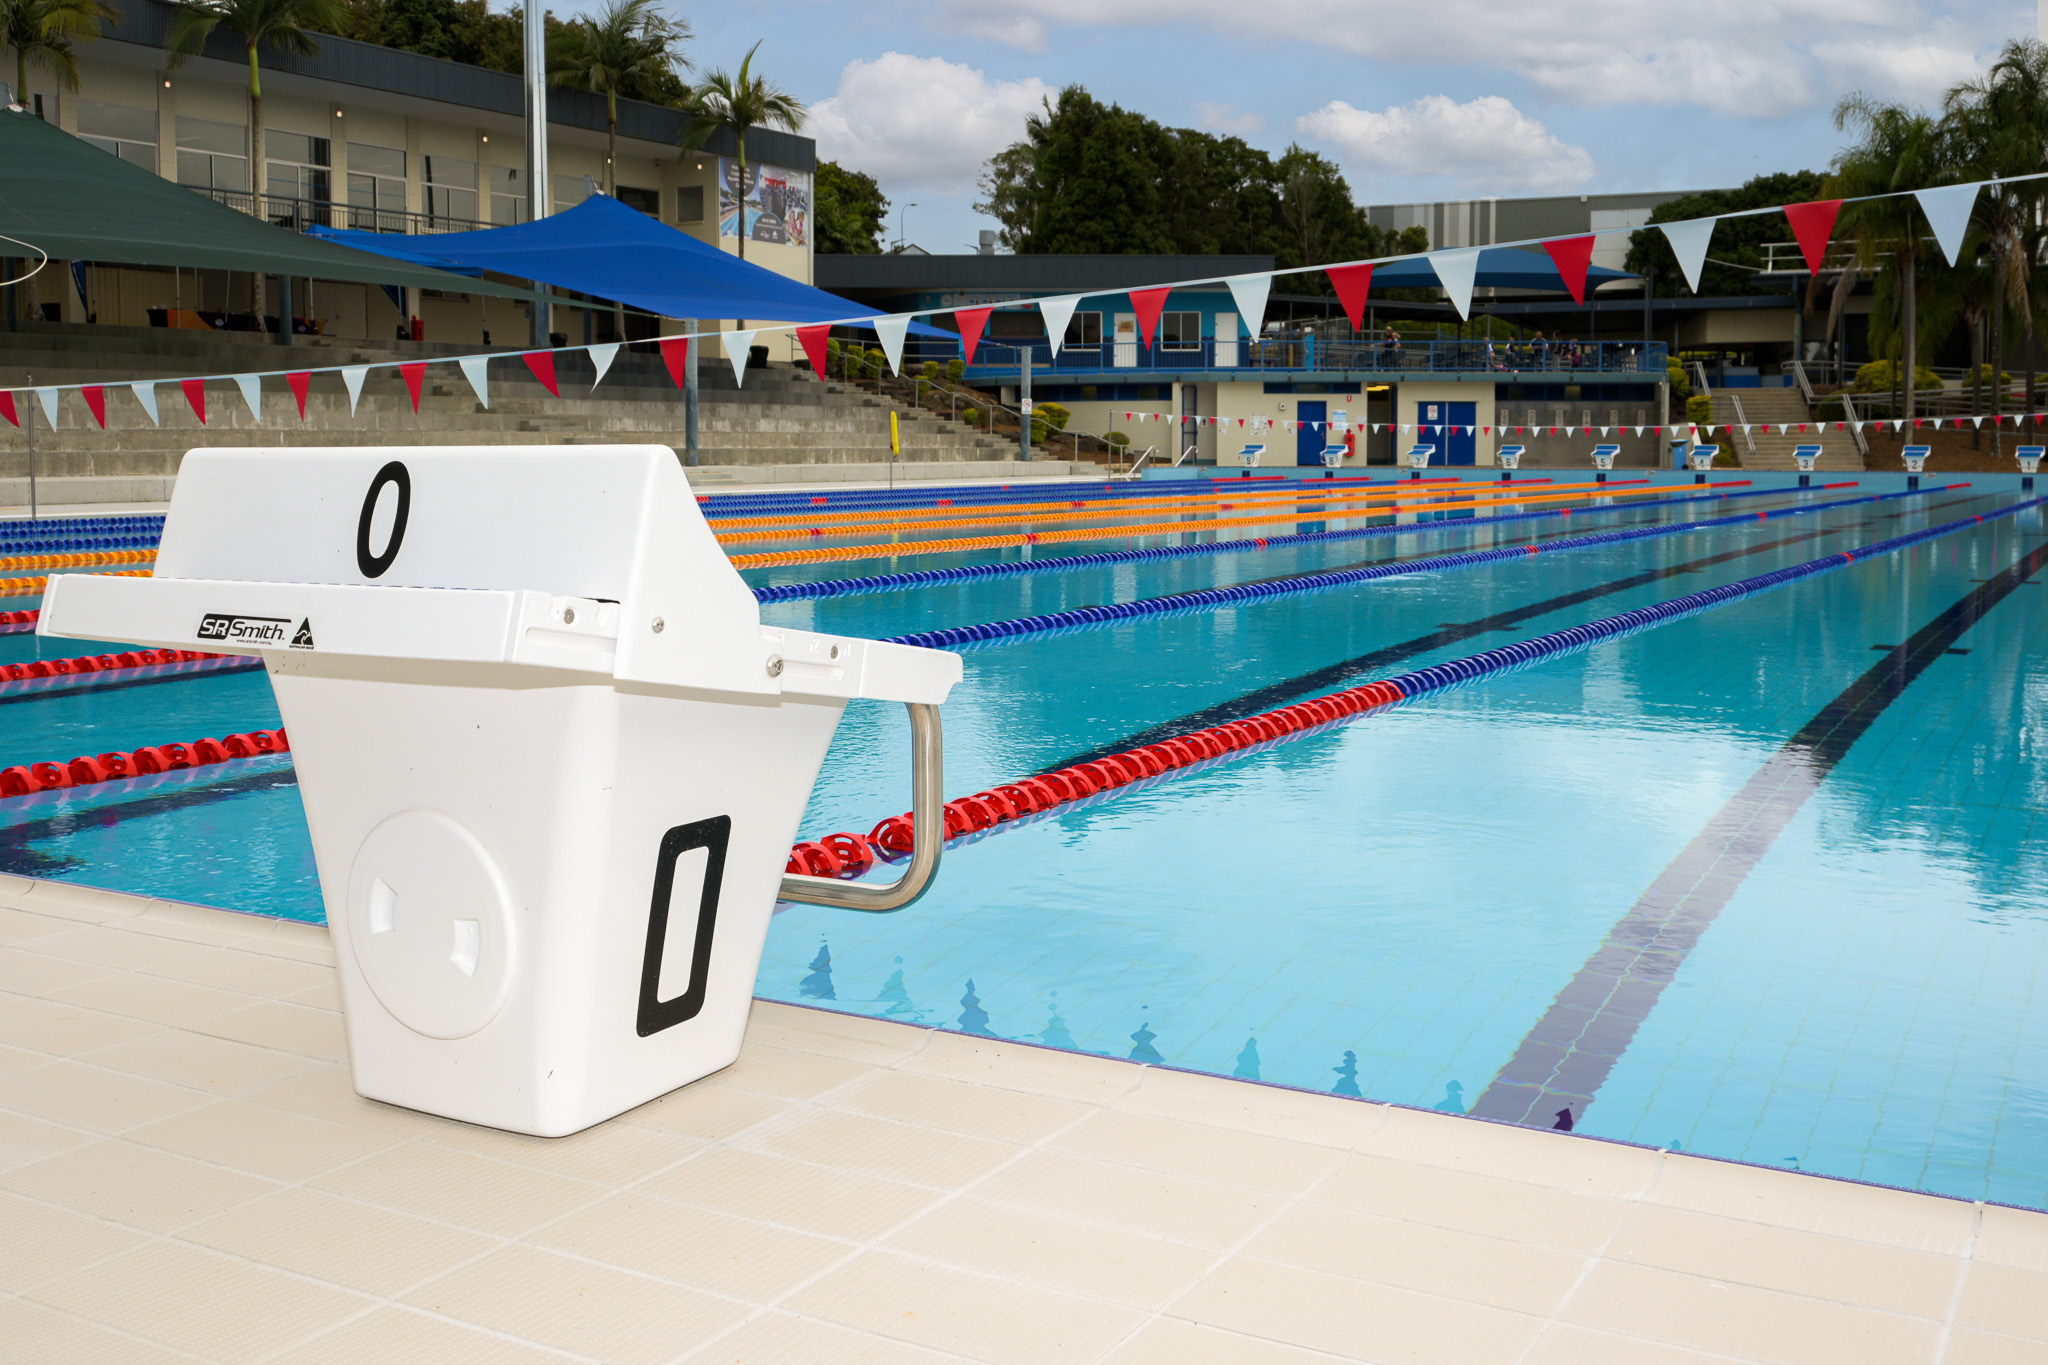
551 759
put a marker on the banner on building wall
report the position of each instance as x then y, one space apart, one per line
777 200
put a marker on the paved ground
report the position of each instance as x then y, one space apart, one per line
186 1174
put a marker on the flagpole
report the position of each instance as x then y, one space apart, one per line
537 146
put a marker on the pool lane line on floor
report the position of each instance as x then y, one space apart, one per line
1454 633
154 794
1325 580
1573 1048
920 578
1029 799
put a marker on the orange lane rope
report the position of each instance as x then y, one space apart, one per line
834 554
1374 499
30 586
77 560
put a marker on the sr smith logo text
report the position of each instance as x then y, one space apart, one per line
245 630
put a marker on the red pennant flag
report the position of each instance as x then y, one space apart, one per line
674 352
415 374
7 408
1812 224
1573 255
812 339
972 321
95 396
1352 283
300 380
195 394
1147 303
542 363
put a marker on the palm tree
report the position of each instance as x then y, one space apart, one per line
44 32
736 103
1898 149
286 25
629 43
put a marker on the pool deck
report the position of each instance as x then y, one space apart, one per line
185 1174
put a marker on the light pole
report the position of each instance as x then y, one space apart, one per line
902 212
536 43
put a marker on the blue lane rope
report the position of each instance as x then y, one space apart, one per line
73 535
1210 599
921 578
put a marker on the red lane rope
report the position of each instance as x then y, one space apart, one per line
30 778
100 663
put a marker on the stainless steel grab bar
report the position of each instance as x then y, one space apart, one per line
927 824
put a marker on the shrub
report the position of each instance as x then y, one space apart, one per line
1681 387
970 415
1878 375
955 368
931 371
1117 441
1700 410
876 357
831 348
1048 419
1831 409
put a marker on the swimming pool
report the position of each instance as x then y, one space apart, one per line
1411 906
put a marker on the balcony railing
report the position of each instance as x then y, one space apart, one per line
300 214
1310 354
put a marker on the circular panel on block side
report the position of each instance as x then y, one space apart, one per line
430 918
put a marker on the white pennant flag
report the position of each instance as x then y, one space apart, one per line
1249 292
1708 428
736 346
476 368
49 400
1455 271
1689 244
602 356
1603 433
145 394
1568 430
1948 213
1745 429
891 332
352 378
1977 422
252 393
1639 432
1058 313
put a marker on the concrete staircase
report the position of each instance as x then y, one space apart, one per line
1774 448
783 425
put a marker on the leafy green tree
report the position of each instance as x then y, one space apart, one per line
850 211
1737 240
627 41
47 32
281 25
737 103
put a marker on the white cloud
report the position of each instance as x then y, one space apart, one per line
1224 118
1485 143
1748 58
921 123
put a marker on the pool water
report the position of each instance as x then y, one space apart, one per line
1401 906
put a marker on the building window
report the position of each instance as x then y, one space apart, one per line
450 191
1084 329
508 195
647 201
1180 331
571 190
128 133
212 156
296 165
376 188
690 204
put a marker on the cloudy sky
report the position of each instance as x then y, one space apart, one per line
1420 99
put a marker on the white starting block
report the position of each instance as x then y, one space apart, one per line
551 759
1418 459
1603 460
1250 456
1700 459
1333 460
1915 458
2030 463
1509 458
1804 456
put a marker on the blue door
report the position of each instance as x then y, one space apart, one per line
1458 435
1308 440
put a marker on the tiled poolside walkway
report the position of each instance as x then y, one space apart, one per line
185 1174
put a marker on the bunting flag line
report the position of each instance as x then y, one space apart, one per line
1812 225
542 363
1057 314
195 394
145 394
738 349
7 408
1148 304
1456 271
1947 211
96 399
1249 292
476 369
299 380
971 321
1689 241
352 377
252 394
1352 283
1573 256
415 374
675 355
813 339
48 398
601 357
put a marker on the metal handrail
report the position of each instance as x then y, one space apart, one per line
1742 419
299 214
927 832
1699 373
1465 355
1855 425
1798 369
1138 463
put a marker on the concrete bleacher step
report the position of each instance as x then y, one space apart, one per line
1773 449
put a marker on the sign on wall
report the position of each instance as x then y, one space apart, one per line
777 200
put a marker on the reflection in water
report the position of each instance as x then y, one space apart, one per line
818 985
973 1018
1347 1077
893 993
1248 1061
1055 1034
1453 1101
1144 1051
